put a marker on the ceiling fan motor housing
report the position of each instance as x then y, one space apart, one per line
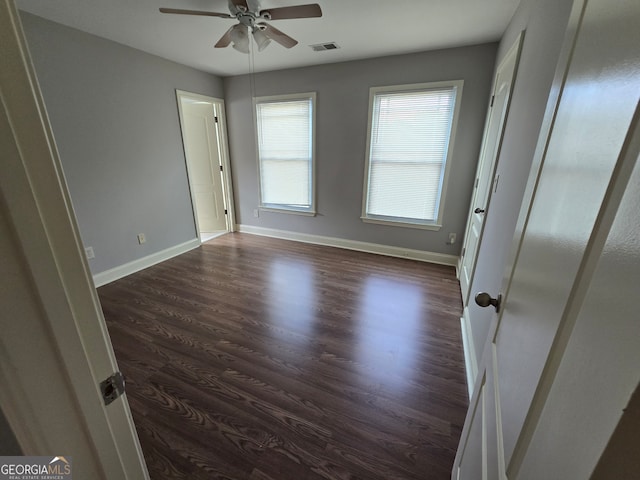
247 19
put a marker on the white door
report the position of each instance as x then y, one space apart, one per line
594 371
568 208
54 348
503 86
200 130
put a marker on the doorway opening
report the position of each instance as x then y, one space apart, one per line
204 137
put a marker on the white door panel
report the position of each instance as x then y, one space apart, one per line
493 433
201 140
208 197
503 85
590 128
483 456
555 244
54 348
598 371
468 261
472 463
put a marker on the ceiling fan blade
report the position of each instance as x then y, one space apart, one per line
195 12
278 36
299 11
225 40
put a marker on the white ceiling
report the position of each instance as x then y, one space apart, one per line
362 28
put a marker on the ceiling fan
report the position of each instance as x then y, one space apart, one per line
251 21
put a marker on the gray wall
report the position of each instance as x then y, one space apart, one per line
341 130
545 22
114 116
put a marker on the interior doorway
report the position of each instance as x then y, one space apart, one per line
202 121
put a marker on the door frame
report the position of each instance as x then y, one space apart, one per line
223 146
53 399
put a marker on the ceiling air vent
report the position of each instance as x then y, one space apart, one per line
320 47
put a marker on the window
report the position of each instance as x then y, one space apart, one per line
285 126
410 133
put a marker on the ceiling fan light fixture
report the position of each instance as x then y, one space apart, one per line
261 39
247 12
240 38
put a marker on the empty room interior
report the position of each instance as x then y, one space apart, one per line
341 240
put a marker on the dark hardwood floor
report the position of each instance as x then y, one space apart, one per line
264 359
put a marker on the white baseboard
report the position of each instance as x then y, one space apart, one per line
470 362
116 273
421 255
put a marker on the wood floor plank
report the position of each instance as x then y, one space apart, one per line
261 359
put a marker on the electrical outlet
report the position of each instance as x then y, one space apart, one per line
141 238
452 238
89 253
256 213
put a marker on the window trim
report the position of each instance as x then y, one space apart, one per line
413 87
281 208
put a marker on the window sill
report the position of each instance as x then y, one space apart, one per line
392 223
305 213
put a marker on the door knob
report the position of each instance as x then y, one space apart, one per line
479 210
483 299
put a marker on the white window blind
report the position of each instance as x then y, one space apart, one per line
285 153
409 146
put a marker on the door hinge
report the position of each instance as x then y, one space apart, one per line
215 119
463 251
477 182
225 211
493 97
220 167
112 387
